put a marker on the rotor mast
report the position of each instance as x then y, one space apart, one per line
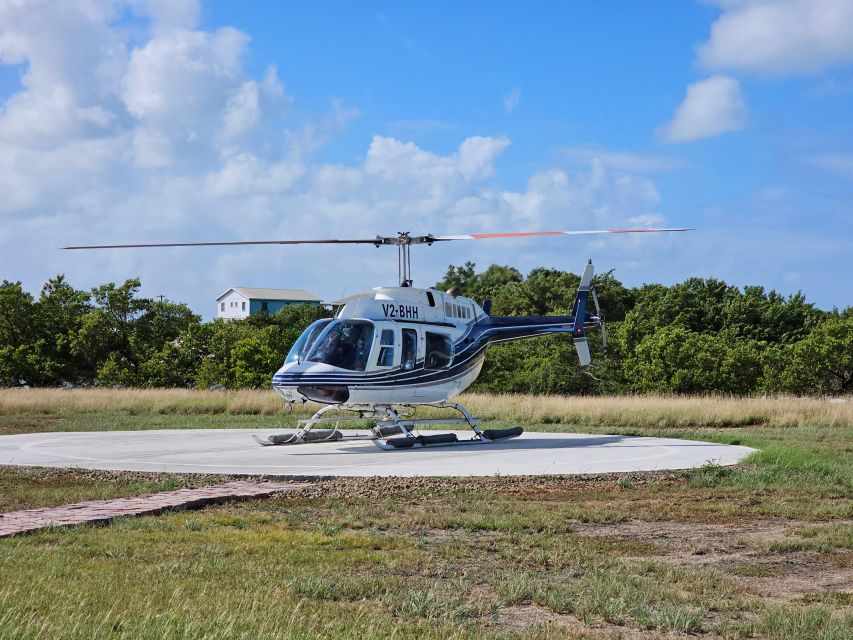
404 242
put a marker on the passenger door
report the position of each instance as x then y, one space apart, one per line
439 351
438 355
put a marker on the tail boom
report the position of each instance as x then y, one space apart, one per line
502 328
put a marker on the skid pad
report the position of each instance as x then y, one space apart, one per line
445 439
307 437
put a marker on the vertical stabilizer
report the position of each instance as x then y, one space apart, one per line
579 312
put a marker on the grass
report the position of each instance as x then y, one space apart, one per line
781 623
23 402
839 536
582 411
641 555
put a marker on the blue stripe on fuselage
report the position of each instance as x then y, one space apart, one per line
469 349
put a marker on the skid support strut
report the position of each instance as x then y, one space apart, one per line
392 431
306 432
405 436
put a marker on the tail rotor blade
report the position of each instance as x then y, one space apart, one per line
602 324
595 302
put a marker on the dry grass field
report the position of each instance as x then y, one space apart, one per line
762 550
623 411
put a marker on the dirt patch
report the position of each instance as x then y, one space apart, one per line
536 487
695 539
740 552
800 574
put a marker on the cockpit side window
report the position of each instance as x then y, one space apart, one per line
343 343
439 351
386 349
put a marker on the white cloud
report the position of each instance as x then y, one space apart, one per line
840 164
166 15
243 111
512 99
73 64
177 77
711 107
412 128
768 37
167 137
324 127
780 37
477 154
404 161
559 200
625 160
647 220
245 174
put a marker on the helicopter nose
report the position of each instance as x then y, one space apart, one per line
325 394
289 394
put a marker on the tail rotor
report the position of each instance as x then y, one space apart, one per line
579 311
602 324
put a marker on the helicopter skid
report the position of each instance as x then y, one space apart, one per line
320 435
391 432
446 439
306 433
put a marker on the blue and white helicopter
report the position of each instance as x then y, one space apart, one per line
392 349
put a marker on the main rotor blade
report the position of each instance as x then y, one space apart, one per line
525 234
226 244
401 239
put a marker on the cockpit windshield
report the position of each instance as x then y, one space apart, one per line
343 343
304 342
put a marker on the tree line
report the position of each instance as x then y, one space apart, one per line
696 337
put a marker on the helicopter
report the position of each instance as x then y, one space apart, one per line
387 351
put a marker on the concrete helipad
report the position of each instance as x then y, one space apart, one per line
233 451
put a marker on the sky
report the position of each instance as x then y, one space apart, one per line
182 121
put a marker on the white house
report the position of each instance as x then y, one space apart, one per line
241 302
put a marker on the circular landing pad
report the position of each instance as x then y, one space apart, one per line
234 451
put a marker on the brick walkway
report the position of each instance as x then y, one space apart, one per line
102 511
